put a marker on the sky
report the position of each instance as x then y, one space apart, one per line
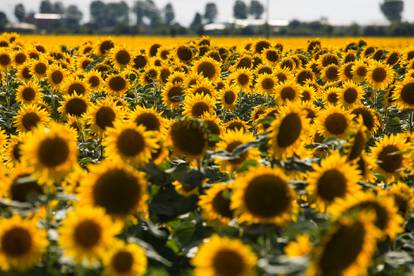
337 11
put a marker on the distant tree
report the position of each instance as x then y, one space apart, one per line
3 20
256 9
197 24
169 14
46 7
73 16
98 12
240 10
20 12
392 10
58 7
140 11
153 13
117 13
211 12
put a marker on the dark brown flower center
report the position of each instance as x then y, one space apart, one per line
331 185
30 120
228 262
16 242
87 233
289 131
122 262
130 143
336 123
53 151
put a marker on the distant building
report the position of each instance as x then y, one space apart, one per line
254 24
22 28
44 21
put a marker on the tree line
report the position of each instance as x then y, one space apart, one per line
146 17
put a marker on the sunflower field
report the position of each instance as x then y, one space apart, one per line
207 158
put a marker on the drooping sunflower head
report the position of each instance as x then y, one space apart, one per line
29 117
263 195
130 143
117 188
86 234
334 121
347 247
334 178
229 142
369 117
357 143
346 71
386 219
188 137
393 58
51 151
224 256
403 197
104 47
215 128
22 243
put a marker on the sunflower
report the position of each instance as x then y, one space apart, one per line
83 63
229 142
228 97
346 249
393 58
330 73
128 142
198 105
86 234
74 105
288 130
28 93
103 114
236 124
188 137
125 260
208 68
176 77
117 188
304 76
334 121
390 155
356 146
283 75
39 68
403 196
360 71
266 84
14 148
404 94
263 195
379 75
184 54
215 204
369 117
173 95
334 178
117 85
224 256
56 76
74 85
271 56
150 118
307 93
139 62
29 117
21 186
345 71
204 87
288 91
94 80
299 247
23 72
243 78
387 219
51 151
331 96
120 57
5 60
328 59
214 126
20 57
351 94
22 243
104 47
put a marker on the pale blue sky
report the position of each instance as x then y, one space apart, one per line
337 11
